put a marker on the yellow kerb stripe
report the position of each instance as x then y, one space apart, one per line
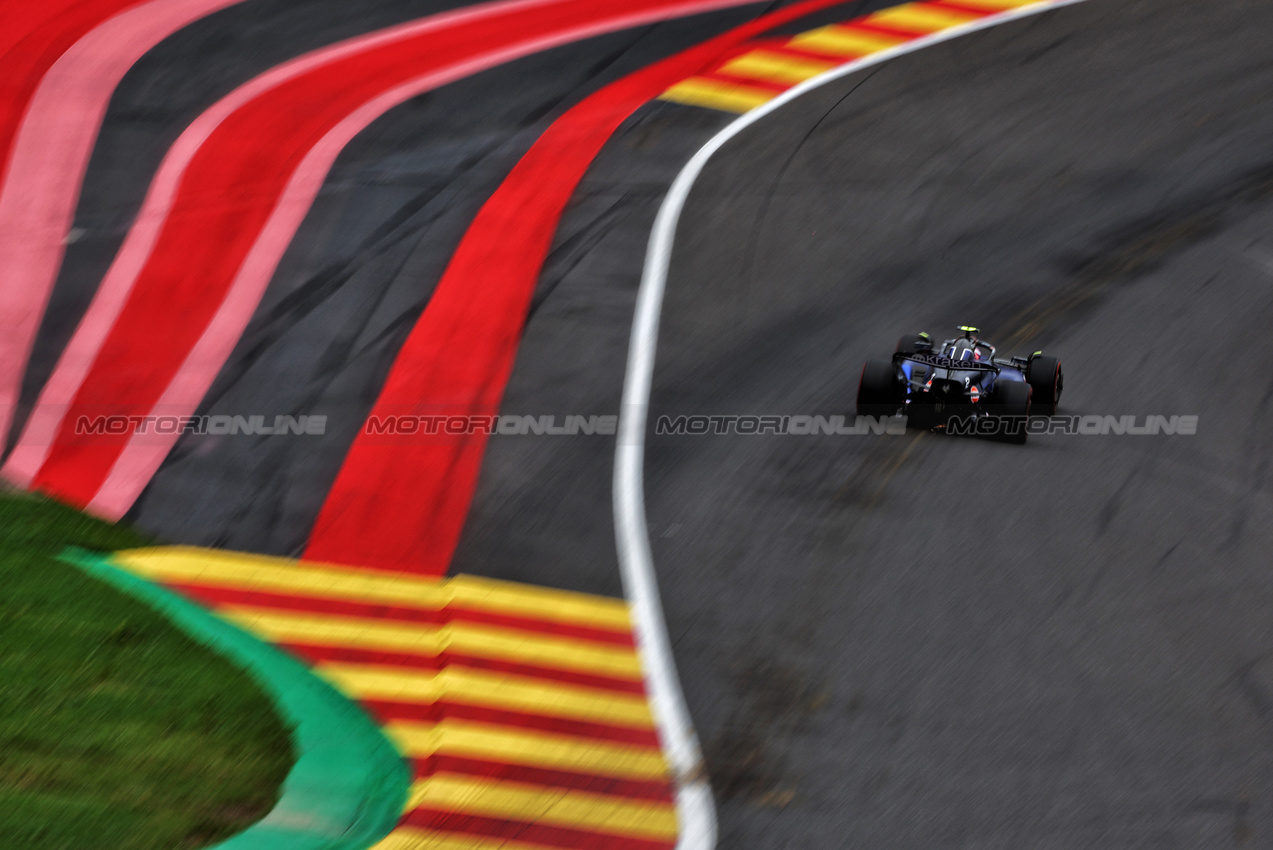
714 94
411 838
527 747
556 806
839 41
918 17
495 690
425 639
280 575
776 67
540 603
180 564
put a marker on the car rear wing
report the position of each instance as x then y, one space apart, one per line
939 362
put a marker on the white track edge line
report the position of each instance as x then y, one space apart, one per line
696 811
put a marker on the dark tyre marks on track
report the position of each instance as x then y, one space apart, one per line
928 642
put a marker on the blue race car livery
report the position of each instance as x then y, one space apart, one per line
956 384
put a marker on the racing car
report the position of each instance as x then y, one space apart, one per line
960 386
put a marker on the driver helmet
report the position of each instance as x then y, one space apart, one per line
964 349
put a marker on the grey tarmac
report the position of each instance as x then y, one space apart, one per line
934 642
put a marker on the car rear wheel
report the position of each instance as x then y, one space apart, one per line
1044 375
880 391
1012 409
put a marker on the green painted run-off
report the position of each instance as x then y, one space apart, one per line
348 786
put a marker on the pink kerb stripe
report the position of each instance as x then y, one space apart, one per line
47 165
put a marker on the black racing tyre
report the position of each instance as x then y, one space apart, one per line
1044 375
880 391
909 343
1012 408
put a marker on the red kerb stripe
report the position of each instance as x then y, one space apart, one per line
656 790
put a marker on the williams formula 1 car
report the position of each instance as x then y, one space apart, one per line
960 387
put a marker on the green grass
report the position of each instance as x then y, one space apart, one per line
116 730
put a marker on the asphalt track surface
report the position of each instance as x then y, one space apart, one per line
1091 670
937 642
358 273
